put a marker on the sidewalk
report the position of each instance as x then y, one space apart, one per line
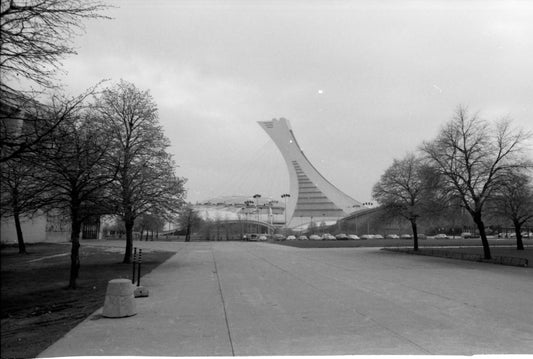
183 314
244 299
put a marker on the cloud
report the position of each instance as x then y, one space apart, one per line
390 74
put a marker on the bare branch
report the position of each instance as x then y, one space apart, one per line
35 35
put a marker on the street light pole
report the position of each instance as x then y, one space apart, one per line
257 196
368 204
248 204
285 196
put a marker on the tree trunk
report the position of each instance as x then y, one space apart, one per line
415 234
75 251
188 233
518 231
481 227
20 238
128 223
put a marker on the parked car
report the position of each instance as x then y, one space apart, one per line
279 237
422 236
263 238
315 237
466 235
328 237
303 238
440 236
378 236
341 236
353 236
291 238
392 236
367 236
252 237
406 236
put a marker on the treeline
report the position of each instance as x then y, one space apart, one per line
475 165
104 153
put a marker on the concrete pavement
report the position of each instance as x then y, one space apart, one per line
248 298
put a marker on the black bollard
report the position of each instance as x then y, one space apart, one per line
139 268
133 264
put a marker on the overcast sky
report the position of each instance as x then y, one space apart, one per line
360 82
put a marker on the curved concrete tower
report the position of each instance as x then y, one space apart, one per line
313 198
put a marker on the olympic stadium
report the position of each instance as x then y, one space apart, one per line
312 199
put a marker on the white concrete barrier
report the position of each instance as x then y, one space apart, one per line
119 300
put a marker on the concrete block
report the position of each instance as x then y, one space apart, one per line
141 292
119 300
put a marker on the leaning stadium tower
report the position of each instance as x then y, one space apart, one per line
312 197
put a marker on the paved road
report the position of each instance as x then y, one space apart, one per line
234 298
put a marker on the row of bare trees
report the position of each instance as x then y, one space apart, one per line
102 152
107 156
484 166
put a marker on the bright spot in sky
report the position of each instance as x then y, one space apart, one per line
320 92
437 88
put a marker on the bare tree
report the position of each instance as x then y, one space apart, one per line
149 222
20 194
75 166
35 35
513 200
190 220
407 189
474 157
146 182
26 123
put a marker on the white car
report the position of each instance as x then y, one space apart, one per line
392 236
353 236
303 238
367 236
440 236
291 238
263 238
328 237
315 237
377 236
